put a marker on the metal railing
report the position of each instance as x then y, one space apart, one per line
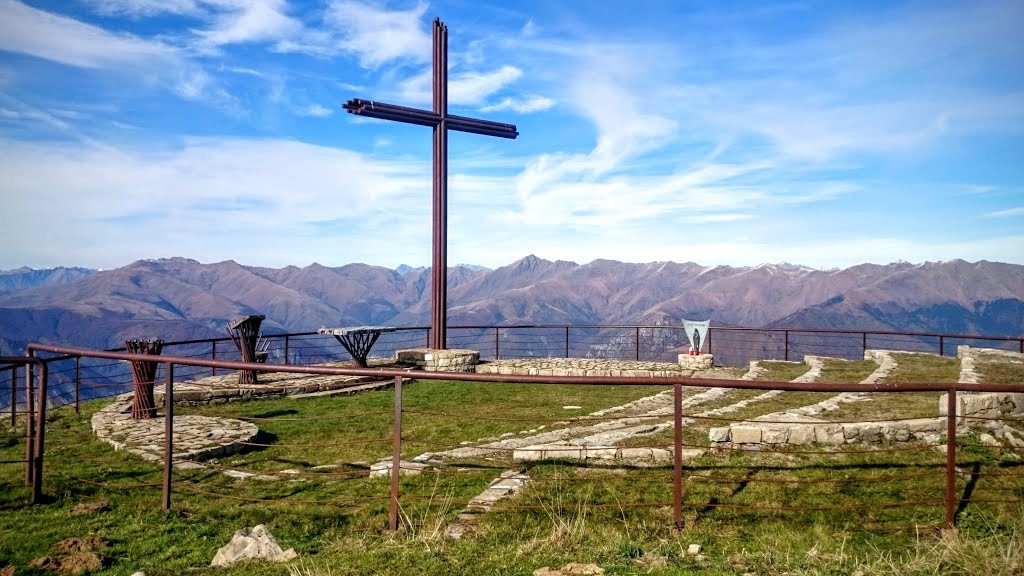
35 417
35 466
731 346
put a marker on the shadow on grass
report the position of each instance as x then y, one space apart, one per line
972 483
261 437
275 413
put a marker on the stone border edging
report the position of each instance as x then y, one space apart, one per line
804 428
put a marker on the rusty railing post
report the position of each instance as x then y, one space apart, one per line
497 354
785 346
14 396
37 465
168 435
213 356
30 422
950 455
78 384
286 346
677 456
396 456
566 341
637 343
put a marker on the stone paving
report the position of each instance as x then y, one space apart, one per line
507 485
592 437
194 437
198 438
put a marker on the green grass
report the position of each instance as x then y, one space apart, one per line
846 372
782 371
618 519
995 369
451 412
909 368
696 433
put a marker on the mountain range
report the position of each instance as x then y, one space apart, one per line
25 277
178 298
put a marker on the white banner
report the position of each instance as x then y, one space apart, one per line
697 332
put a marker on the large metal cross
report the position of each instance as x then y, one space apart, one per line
441 122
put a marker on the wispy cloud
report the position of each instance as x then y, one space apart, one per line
140 8
1008 213
315 110
19 113
378 36
226 188
34 32
465 88
523 106
250 21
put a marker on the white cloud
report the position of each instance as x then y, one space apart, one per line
523 106
138 8
67 41
241 21
808 130
379 36
475 87
597 188
18 112
978 189
466 88
900 81
34 32
273 201
1008 213
820 192
315 110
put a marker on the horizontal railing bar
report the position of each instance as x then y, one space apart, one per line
614 327
523 379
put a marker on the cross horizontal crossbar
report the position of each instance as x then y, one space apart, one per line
408 115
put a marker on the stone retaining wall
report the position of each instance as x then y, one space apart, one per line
583 367
451 360
807 430
799 426
982 404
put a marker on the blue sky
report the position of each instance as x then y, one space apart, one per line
820 133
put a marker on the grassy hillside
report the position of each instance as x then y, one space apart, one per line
843 511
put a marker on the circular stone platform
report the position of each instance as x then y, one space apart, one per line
195 437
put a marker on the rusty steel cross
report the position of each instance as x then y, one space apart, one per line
441 122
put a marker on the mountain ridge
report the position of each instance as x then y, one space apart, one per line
186 297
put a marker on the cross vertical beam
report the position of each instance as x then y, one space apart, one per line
439 251
441 122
